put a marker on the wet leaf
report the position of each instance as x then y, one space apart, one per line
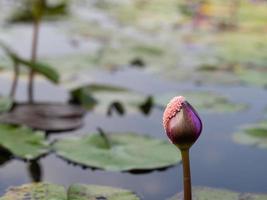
42 68
205 193
23 142
33 191
255 135
206 101
45 116
105 98
95 192
48 191
6 104
118 152
50 12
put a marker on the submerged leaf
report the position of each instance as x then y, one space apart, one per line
255 135
23 142
34 191
205 193
206 101
126 151
95 192
48 191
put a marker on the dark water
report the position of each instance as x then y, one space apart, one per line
216 160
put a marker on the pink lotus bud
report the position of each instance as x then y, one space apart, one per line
181 123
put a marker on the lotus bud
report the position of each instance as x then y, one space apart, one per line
182 123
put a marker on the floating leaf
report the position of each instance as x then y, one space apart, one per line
205 193
253 77
95 192
105 98
45 116
23 142
255 135
48 191
5 104
118 152
206 101
40 191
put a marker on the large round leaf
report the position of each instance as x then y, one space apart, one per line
23 142
255 135
204 100
95 192
118 152
47 191
205 193
34 191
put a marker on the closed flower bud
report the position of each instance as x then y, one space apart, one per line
181 123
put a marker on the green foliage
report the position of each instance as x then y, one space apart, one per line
42 68
36 9
118 152
48 191
23 142
204 101
254 135
94 192
205 193
104 98
6 104
40 191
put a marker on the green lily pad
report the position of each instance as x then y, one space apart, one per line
103 98
206 101
253 77
205 193
95 192
255 135
6 104
23 142
41 191
118 152
48 191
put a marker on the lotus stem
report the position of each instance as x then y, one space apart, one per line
15 80
186 174
33 59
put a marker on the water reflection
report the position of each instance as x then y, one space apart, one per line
5 156
35 171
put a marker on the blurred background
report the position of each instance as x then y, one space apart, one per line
213 52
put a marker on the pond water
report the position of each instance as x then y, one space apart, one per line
216 160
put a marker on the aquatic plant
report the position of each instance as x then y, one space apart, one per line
41 68
183 127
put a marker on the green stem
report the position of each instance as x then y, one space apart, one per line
105 138
186 173
33 59
15 80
